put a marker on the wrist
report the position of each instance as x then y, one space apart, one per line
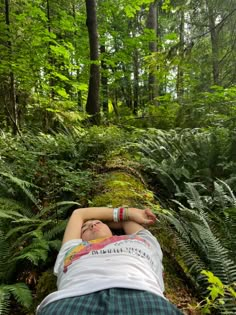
120 214
131 214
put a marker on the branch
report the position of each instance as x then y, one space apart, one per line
220 25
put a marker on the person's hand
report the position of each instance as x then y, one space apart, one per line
143 217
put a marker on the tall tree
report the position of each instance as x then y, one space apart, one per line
10 99
180 71
152 25
92 105
214 32
104 79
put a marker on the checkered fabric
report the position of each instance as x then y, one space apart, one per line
115 301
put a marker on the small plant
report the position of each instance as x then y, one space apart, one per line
221 297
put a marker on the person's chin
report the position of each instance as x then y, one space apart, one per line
101 235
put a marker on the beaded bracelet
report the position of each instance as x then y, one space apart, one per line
120 214
115 214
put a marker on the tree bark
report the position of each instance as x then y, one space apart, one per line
10 102
48 115
104 81
180 72
152 80
92 105
79 93
214 43
136 81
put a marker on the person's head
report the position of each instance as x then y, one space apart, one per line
93 229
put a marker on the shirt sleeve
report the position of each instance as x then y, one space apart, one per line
64 249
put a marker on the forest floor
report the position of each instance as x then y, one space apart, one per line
179 292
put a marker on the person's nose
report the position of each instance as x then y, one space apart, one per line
92 224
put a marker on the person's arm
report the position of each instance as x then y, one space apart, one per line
79 216
131 226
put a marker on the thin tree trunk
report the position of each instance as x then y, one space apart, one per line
114 104
214 43
180 72
104 81
136 81
47 115
152 80
12 109
79 93
92 105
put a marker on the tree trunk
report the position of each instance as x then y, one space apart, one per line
180 72
104 82
214 42
10 102
136 81
79 93
92 105
48 115
152 80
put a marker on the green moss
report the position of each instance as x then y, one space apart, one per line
120 188
46 285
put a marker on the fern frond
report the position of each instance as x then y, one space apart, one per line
9 204
48 210
35 252
19 291
229 190
12 215
4 301
4 257
194 229
24 185
57 229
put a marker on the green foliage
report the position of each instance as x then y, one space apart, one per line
131 7
214 108
46 284
43 178
221 297
189 172
19 291
206 240
119 187
176 157
161 117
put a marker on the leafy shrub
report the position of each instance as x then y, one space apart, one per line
221 297
215 108
43 178
206 237
172 158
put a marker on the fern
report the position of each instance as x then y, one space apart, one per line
206 237
4 301
186 156
9 204
52 209
56 230
5 255
24 185
19 291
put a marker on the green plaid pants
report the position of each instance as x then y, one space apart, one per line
115 301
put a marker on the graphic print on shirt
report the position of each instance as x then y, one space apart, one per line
108 245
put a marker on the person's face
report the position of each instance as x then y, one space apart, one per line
93 229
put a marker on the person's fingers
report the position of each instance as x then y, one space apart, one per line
150 214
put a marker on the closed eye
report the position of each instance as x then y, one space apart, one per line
85 227
82 232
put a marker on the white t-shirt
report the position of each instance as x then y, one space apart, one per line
126 261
